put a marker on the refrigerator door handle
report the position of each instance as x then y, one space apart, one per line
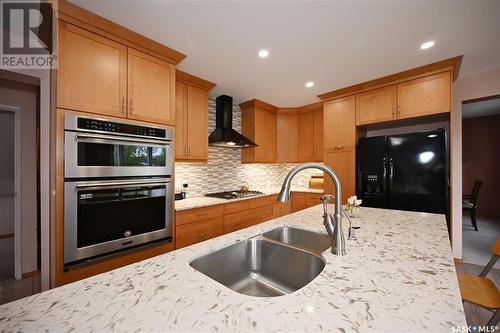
391 175
384 174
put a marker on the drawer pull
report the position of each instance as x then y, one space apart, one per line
203 234
201 214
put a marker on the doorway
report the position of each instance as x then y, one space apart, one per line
19 190
480 181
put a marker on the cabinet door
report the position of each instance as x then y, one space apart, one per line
339 128
197 109
343 164
181 121
260 135
288 137
425 96
298 201
92 72
151 88
318 135
276 210
376 105
192 233
306 136
271 138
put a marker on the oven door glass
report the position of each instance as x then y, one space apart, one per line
105 215
103 154
102 217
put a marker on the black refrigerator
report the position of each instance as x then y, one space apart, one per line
405 172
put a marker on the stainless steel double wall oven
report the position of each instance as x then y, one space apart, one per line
117 187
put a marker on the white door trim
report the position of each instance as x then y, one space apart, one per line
18 273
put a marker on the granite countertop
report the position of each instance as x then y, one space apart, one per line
399 276
202 201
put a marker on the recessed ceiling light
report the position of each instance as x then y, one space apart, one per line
263 53
309 84
427 45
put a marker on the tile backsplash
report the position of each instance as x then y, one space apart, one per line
224 171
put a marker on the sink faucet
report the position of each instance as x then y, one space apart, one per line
350 231
333 224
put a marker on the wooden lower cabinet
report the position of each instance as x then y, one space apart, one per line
247 218
195 232
313 199
298 201
197 214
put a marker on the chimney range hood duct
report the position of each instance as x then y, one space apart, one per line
224 135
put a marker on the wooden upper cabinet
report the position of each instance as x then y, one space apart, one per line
376 105
197 110
339 127
259 123
191 117
306 136
92 72
151 88
288 136
318 135
343 163
181 121
425 96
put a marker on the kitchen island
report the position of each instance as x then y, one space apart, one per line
398 276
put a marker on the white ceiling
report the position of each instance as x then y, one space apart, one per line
481 109
333 43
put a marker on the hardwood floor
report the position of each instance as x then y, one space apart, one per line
12 289
474 314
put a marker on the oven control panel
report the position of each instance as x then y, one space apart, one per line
119 128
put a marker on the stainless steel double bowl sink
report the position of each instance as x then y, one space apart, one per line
275 263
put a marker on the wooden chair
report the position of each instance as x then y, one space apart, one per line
480 290
469 202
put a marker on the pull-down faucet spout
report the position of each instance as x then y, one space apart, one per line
333 224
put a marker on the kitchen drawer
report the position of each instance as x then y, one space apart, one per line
261 201
240 220
313 199
197 214
236 206
192 233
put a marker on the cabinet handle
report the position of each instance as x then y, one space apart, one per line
185 150
124 106
203 234
399 110
131 106
338 147
201 214
189 151
393 111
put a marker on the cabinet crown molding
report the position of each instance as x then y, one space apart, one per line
255 103
85 19
193 80
450 64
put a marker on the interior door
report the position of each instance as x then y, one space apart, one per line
418 172
197 106
7 196
92 72
151 88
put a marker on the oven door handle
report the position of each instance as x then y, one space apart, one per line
120 139
145 183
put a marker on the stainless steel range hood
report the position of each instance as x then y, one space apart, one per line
224 135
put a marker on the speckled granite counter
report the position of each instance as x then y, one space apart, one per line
399 276
197 202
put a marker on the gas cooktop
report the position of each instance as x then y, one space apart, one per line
233 194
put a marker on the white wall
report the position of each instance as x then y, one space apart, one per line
483 84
